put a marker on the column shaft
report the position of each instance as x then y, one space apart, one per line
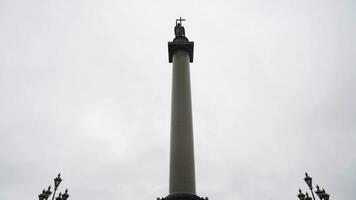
182 172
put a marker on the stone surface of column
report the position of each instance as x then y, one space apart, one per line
182 170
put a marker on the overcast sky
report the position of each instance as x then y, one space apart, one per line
85 90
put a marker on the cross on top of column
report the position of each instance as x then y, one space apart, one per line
180 21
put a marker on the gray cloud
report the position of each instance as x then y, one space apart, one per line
85 91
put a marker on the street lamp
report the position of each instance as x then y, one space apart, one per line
65 195
301 196
57 181
59 197
42 196
47 193
308 180
307 197
320 193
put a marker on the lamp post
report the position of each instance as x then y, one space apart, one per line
47 193
320 193
308 180
57 181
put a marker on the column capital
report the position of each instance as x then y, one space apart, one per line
180 42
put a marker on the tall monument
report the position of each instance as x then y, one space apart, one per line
182 170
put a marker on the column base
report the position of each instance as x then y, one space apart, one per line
183 196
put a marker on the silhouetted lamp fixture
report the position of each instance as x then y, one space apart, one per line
57 181
42 196
47 193
301 196
308 180
307 197
59 196
65 195
321 193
